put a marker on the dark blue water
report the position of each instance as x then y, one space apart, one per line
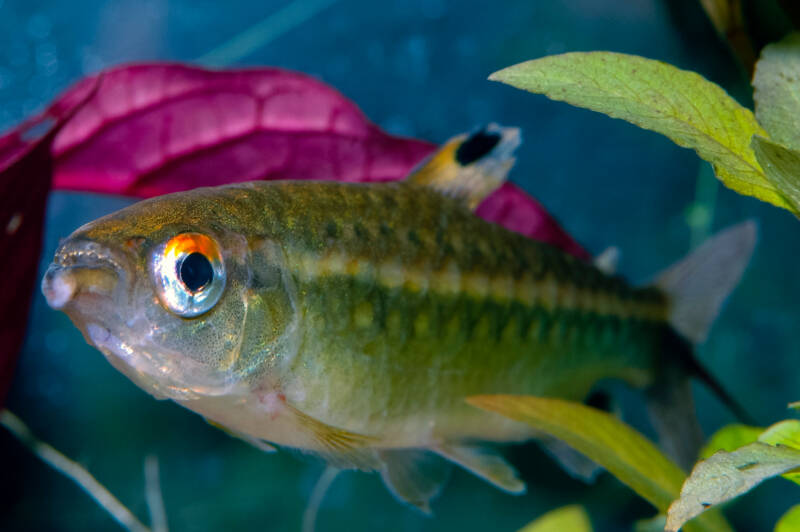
416 68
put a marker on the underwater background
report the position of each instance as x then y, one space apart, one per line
417 68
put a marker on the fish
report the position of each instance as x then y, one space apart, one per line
352 320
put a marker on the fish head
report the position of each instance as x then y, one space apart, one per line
177 296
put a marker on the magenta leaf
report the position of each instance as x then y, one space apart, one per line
25 172
144 130
515 210
152 129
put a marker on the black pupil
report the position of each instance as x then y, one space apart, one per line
195 271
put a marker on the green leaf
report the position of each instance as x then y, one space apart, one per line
782 167
730 438
777 90
786 433
625 453
682 105
653 524
727 475
790 521
572 518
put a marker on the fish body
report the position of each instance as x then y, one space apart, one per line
399 315
352 320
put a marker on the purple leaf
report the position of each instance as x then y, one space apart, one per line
152 129
515 210
25 171
144 130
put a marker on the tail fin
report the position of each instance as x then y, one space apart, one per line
698 285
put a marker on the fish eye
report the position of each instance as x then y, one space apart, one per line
189 274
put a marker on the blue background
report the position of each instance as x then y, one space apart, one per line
416 67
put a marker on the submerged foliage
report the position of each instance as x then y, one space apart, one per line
603 438
755 154
726 475
684 106
573 518
737 459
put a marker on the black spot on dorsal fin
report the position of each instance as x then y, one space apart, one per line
477 146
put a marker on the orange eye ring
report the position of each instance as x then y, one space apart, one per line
189 298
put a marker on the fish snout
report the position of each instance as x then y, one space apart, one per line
81 268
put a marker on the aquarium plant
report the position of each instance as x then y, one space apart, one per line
756 154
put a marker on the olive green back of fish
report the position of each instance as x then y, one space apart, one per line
409 303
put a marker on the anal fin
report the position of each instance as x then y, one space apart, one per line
576 464
414 476
485 463
672 412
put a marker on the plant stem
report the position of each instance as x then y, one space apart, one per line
317 494
152 492
72 470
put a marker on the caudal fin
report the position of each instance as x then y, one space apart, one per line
696 288
699 284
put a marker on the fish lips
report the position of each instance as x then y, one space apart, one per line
91 284
85 278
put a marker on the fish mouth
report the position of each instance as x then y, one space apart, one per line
94 285
82 269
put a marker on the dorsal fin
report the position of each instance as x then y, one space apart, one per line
470 167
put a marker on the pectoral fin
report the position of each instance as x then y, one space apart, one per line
485 463
339 447
259 444
470 167
414 476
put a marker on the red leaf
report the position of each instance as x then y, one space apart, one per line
145 130
25 172
515 210
152 129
